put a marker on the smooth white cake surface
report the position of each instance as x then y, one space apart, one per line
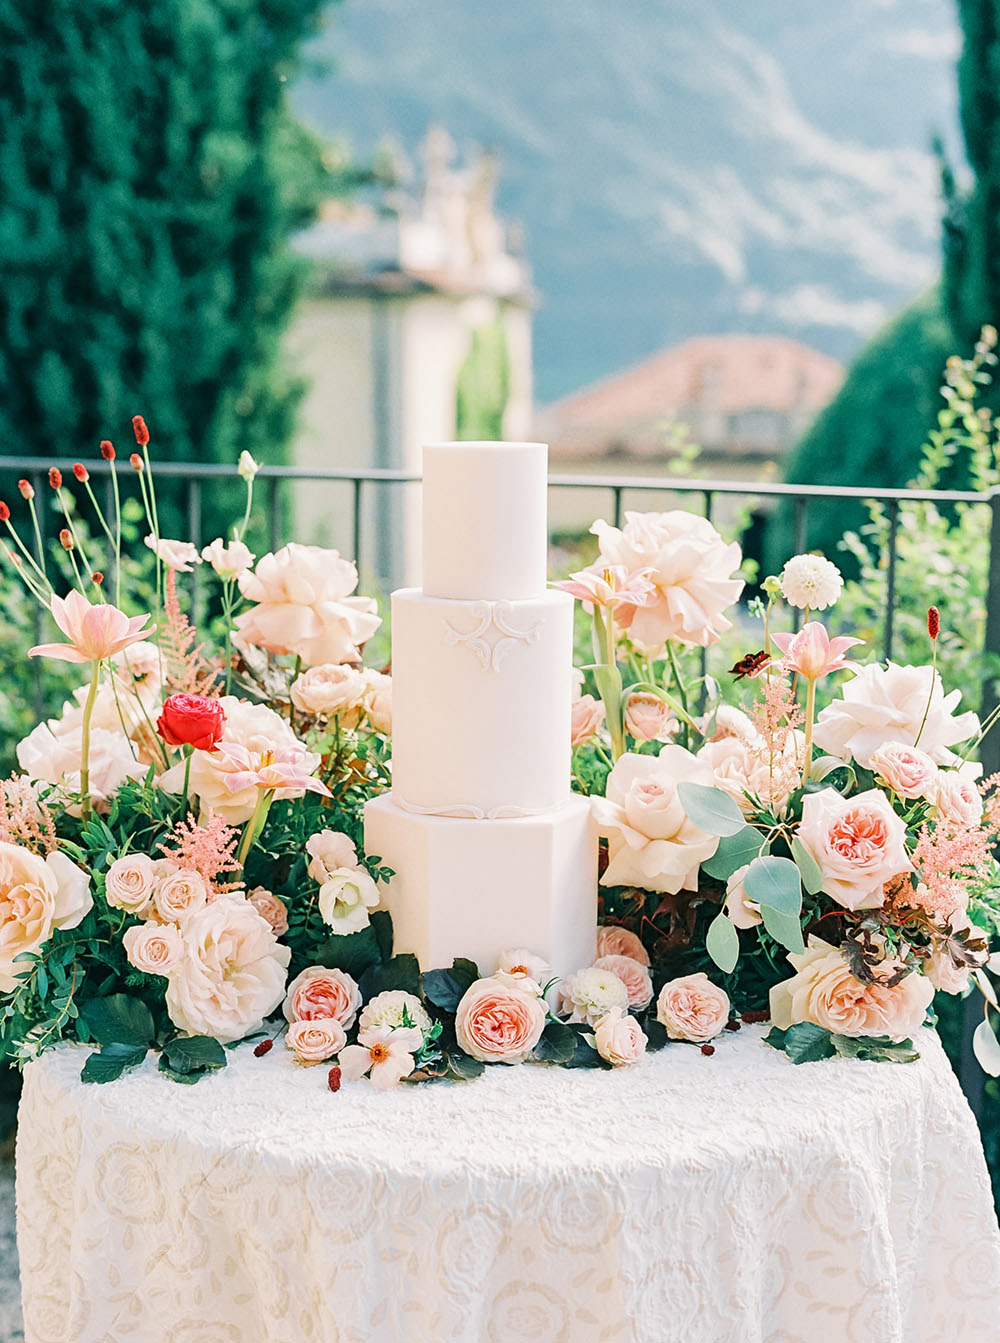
482 698
485 529
479 888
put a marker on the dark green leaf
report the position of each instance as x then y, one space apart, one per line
382 923
585 1054
402 972
463 1068
656 1034
185 1078
722 942
351 952
119 1019
875 1048
194 1053
710 809
111 1062
734 851
557 1045
803 1043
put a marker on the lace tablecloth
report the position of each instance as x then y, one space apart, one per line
731 1199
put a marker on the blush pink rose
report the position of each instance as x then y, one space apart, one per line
859 843
741 911
497 1023
588 715
129 883
907 770
153 948
178 894
634 976
647 717
612 941
620 1039
315 1041
271 908
319 994
958 800
692 1008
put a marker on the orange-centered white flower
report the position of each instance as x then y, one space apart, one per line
94 632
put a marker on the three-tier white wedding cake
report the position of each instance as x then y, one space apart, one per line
490 847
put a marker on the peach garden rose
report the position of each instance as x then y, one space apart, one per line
858 843
315 1041
614 941
154 948
692 1008
129 883
37 895
907 770
586 718
318 992
496 1023
619 1039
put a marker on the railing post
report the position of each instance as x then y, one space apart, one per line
890 579
194 535
273 509
617 493
801 535
356 524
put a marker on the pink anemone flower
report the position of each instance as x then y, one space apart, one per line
94 632
610 585
812 653
290 767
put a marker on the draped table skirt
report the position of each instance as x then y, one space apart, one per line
728 1199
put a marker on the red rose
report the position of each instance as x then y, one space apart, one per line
191 720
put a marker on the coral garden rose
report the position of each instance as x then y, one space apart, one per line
587 715
620 1039
957 800
496 1023
315 1041
883 704
634 976
178 894
270 907
689 565
154 948
614 941
192 720
648 717
652 843
318 992
591 994
394 1008
232 974
824 991
330 690
345 899
692 1008
37 896
858 843
129 883
304 606
906 770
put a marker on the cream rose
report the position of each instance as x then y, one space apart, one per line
389 1008
271 908
50 753
741 911
647 717
634 976
304 606
906 770
692 1008
883 704
345 899
689 565
858 843
825 992
37 896
228 561
378 701
177 555
330 850
318 993
957 800
331 690
315 1041
498 1024
153 948
743 768
177 895
129 883
232 974
620 1039
586 718
652 843
614 941
591 994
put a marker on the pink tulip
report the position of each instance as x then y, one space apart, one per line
608 585
94 632
812 653
270 770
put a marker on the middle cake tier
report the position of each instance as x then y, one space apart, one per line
482 697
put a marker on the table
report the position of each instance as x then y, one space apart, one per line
731 1199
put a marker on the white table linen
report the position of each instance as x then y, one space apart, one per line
731 1199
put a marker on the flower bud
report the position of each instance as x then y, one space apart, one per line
81 472
333 1078
26 489
933 621
247 468
140 430
4 512
772 585
136 461
66 539
55 477
97 579
263 1048
107 450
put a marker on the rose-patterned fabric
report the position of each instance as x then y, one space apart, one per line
731 1199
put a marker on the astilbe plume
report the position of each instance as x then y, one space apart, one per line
777 717
207 849
187 671
24 819
947 857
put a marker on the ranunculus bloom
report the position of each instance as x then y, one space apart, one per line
858 843
496 1023
652 843
129 883
591 994
613 941
315 1041
378 701
741 911
181 556
386 1056
906 770
587 717
271 908
812 653
332 689
228 560
94 632
232 974
634 976
318 992
192 720
620 1039
882 704
304 606
346 897
957 799
692 1008
178 894
37 895
154 948
689 565
394 1008
825 992
330 850
811 581
647 717
744 768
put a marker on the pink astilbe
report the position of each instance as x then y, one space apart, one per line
188 672
24 819
777 719
207 849
946 859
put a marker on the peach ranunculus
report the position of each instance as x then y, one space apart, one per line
745 769
232 974
858 843
741 911
129 883
690 567
315 1041
824 991
692 1008
652 843
496 1023
37 896
255 728
614 941
179 894
271 908
318 993
153 948
331 690
648 717
619 1039
906 770
957 799
587 717
330 850
634 976
882 704
304 606
94 632
378 701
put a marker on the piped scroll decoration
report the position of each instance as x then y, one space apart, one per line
468 811
493 636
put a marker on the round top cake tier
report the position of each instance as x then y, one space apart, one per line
485 523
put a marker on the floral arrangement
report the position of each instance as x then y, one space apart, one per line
180 854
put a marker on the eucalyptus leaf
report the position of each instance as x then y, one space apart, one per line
784 928
734 851
775 883
986 988
809 871
710 809
722 942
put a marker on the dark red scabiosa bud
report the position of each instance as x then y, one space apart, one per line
97 579
263 1048
136 461
26 490
933 621
708 1050
81 472
55 477
192 720
140 430
66 539
733 1025
333 1078
107 450
4 512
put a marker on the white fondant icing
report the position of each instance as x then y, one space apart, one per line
493 636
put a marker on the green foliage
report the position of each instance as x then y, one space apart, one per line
806 1042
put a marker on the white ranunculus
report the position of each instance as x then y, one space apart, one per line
591 994
389 1008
